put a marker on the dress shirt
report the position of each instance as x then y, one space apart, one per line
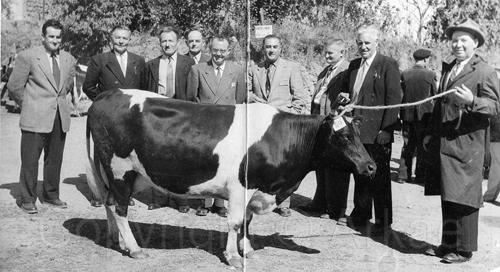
162 78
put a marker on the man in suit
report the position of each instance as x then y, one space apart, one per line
458 129
167 75
332 187
117 68
374 80
417 83
195 43
217 82
39 84
277 82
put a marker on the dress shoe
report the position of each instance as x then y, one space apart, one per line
342 221
56 203
153 206
183 208
380 230
221 211
401 181
131 202
29 207
285 212
439 251
457 257
356 223
95 203
202 211
310 208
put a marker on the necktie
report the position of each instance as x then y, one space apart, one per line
170 78
269 78
55 69
453 73
324 84
123 65
359 81
195 59
219 75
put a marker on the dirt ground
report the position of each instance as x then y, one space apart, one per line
74 239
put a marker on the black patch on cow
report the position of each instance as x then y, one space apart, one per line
174 140
281 159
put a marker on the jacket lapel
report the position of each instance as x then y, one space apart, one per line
114 67
320 81
210 77
64 64
368 81
154 68
43 63
131 68
280 67
261 76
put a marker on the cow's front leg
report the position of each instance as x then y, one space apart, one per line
121 189
236 207
245 243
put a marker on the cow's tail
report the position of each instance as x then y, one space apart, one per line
97 182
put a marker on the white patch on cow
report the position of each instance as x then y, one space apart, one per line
139 97
262 203
250 123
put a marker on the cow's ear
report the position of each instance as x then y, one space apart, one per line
348 119
333 114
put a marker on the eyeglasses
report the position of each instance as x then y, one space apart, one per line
219 51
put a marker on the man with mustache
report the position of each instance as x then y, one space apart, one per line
217 82
374 80
277 82
167 75
195 42
39 84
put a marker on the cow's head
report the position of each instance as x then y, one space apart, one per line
343 149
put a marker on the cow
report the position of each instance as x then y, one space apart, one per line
252 155
79 100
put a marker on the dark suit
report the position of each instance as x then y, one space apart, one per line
332 186
417 83
381 86
150 79
182 67
45 117
203 87
104 73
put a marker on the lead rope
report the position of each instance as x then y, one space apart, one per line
350 107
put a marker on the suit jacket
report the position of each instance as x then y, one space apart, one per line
202 84
287 89
151 72
460 132
417 83
381 86
33 87
104 73
330 94
203 58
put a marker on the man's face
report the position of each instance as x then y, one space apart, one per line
333 54
52 39
119 40
463 45
195 42
272 49
169 43
220 50
367 44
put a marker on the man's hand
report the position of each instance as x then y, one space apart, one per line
252 98
464 95
426 142
383 137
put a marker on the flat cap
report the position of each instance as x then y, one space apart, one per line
470 26
422 53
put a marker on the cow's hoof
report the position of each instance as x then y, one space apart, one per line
138 254
235 262
252 255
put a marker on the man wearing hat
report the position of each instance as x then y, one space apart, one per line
457 135
417 84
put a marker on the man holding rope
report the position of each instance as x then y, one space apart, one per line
373 80
458 134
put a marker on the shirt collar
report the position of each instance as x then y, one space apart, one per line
464 62
197 56
174 57
370 59
221 67
334 66
118 55
267 64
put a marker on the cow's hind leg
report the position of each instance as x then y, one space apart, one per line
245 243
121 190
